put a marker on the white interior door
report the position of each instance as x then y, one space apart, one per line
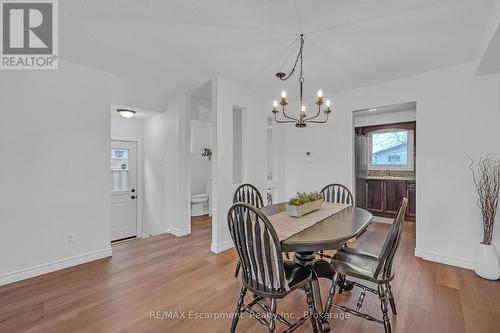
123 189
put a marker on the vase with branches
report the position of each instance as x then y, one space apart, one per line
486 179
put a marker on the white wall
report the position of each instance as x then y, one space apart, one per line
164 211
127 129
137 93
226 96
456 113
384 118
201 137
54 151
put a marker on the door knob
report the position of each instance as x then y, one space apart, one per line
133 197
132 190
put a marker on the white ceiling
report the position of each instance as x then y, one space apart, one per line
349 43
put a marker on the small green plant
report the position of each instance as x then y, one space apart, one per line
302 198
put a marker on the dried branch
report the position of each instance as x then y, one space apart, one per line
486 178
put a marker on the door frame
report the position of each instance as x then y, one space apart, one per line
139 189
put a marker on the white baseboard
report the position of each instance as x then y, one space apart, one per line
178 233
30 272
447 260
218 248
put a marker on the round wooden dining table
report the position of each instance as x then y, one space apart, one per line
328 234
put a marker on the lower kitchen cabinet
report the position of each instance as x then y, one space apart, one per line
412 193
375 195
385 196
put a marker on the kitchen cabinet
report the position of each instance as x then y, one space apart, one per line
394 192
411 195
384 197
375 195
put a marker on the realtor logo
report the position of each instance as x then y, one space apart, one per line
29 34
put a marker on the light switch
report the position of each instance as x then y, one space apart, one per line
308 157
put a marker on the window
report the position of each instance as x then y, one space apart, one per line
119 170
390 149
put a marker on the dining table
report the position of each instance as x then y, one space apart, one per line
330 228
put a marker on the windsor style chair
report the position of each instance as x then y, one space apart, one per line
376 269
265 273
249 194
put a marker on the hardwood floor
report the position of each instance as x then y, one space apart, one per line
165 273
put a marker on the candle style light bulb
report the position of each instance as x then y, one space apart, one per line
320 93
283 94
303 111
328 109
275 104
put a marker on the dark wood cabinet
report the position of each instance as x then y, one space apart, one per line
411 195
384 197
375 191
394 193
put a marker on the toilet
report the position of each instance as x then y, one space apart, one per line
199 204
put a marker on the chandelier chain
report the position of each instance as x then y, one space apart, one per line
299 56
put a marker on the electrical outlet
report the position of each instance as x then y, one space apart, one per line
71 238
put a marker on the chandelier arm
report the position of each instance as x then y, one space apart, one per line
284 114
317 114
319 121
282 121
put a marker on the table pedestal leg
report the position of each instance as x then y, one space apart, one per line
308 259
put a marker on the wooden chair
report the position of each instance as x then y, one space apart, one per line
371 268
336 193
249 194
265 273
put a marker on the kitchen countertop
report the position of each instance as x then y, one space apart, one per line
391 178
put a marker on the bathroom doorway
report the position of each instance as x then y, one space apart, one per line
201 151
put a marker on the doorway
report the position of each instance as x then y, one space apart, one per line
123 190
385 160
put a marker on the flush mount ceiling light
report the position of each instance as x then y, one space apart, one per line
302 120
125 113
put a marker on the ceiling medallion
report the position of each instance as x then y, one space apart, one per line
302 120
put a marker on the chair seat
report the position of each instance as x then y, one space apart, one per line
356 263
295 274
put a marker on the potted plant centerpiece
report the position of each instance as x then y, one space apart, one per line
486 178
304 203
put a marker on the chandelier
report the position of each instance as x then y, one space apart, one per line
303 119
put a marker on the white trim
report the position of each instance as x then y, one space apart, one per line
218 248
30 272
177 232
452 261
